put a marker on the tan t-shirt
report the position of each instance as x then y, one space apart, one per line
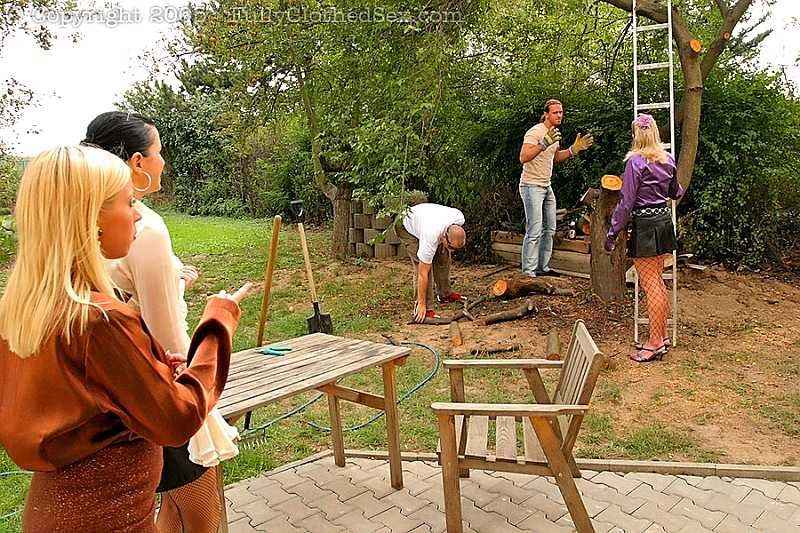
538 170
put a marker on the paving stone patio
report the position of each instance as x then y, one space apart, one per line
319 497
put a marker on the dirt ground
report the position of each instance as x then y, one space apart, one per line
732 383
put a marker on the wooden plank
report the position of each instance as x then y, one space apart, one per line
450 480
306 361
295 368
392 425
459 426
501 363
258 398
562 473
337 438
536 385
252 398
352 395
248 360
571 261
507 247
477 437
456 376
506 439
507 237
580 245
508 257
507 409
533 451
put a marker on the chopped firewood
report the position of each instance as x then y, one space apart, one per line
515 313
553 346
456 337
495 348
522 285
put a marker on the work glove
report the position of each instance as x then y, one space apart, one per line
551 137
582 142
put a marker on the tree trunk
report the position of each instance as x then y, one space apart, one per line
523 285
341 194
608 269
341 219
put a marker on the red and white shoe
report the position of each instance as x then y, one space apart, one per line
454 297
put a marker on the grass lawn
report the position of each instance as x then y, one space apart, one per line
635 417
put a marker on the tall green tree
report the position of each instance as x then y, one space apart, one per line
369 92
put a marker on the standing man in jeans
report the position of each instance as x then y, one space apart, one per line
430 233
540 149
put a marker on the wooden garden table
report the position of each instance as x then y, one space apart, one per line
316 362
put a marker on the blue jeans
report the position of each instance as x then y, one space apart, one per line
540 226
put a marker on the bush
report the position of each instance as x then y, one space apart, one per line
743 202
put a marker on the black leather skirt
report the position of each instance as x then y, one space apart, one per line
652 233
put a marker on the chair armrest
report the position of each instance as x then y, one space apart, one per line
502 363
507 409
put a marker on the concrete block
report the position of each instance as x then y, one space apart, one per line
371 234
381 222
367 208
384 251
355 235
390 236
361 221
351 248
364 250
356 206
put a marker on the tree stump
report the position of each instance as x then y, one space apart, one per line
608 269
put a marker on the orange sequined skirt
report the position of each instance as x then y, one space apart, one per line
112 490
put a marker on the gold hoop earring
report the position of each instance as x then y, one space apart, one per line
149 183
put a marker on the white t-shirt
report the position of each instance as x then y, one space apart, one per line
151 274
428 222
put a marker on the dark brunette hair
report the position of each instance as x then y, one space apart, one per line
122 133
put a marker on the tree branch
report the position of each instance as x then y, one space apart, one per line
723 7
723 35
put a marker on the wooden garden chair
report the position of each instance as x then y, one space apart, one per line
549 427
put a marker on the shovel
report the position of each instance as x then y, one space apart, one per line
318 322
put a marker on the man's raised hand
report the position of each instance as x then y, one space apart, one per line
551 137
582 142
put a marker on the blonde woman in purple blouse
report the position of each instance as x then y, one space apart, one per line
648 184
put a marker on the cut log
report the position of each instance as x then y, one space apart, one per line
585 225
611 182
456 338
495 348
515 313
553 346
608 269
523 285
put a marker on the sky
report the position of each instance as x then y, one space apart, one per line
74 82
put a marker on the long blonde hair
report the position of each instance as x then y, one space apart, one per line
646 140
59 261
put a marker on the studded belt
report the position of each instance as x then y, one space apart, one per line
650 211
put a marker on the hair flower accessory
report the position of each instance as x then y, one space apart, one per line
644 121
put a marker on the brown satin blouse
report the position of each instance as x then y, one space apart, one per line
109 384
